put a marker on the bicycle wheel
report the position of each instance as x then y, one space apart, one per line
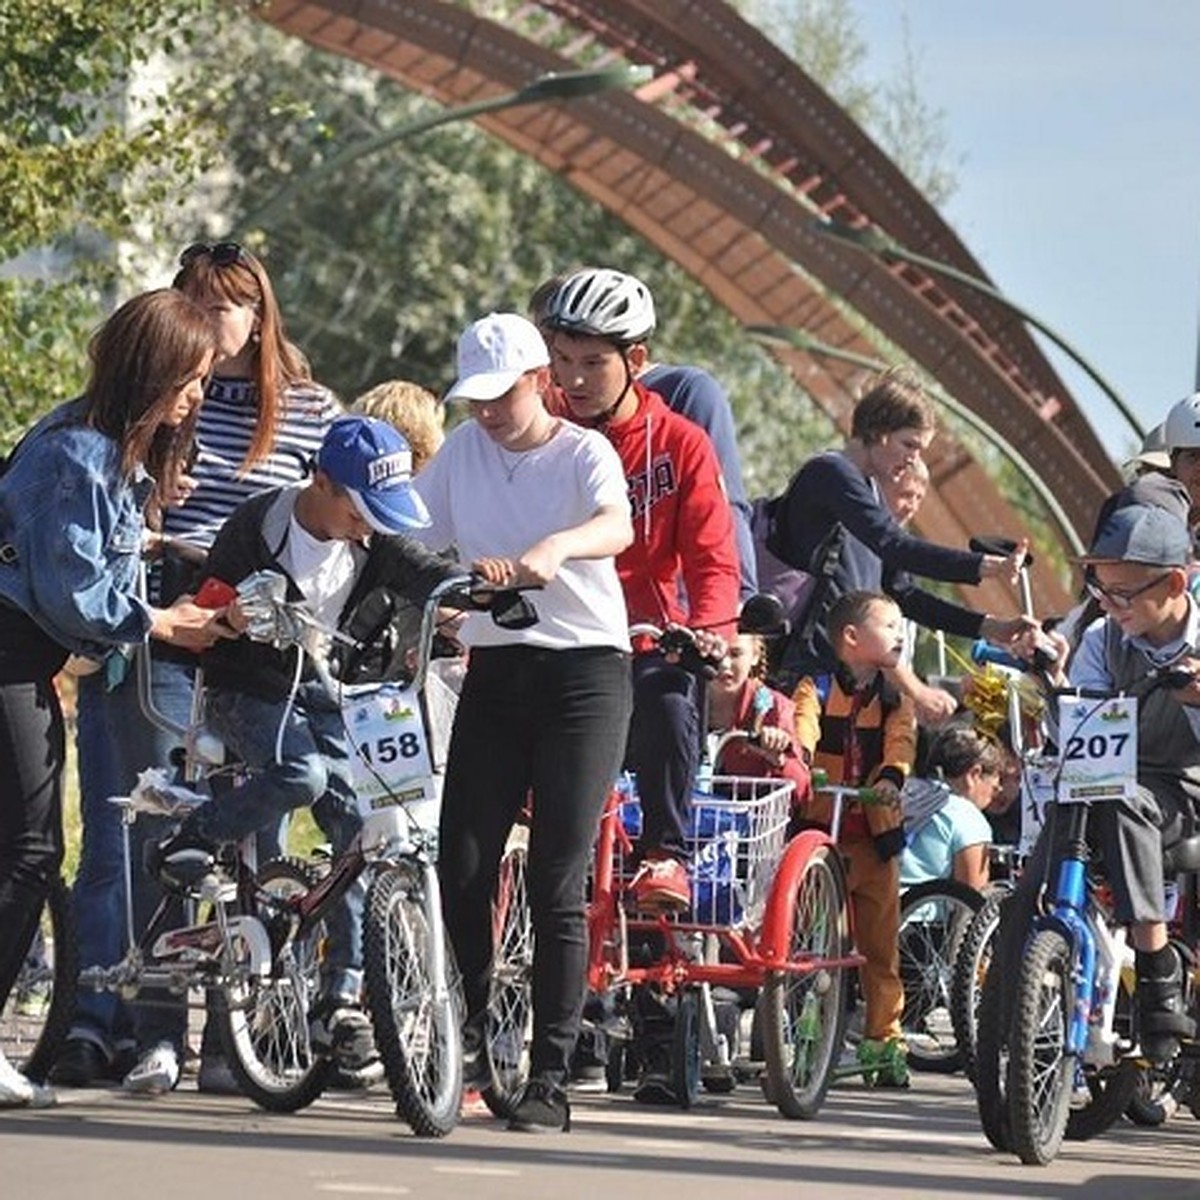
1041 1072
685 1049
803 1015
991 1065
510 1000
37 1015
971 965
934 918
264 1021
419 1037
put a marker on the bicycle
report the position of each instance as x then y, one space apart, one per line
1069 1033
258 949
774 910
935 918
410 979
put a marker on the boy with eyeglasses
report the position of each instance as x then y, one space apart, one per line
1137 570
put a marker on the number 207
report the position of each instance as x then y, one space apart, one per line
1098 745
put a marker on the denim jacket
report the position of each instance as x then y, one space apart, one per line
71 535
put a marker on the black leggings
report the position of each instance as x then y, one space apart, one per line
554 722
32 746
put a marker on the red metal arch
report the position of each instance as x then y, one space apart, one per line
734 206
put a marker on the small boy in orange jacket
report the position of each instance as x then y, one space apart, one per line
861 732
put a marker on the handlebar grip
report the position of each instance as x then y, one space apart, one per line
983 652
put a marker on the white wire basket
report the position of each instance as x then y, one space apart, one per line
735 840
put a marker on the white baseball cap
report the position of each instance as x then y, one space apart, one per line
493 353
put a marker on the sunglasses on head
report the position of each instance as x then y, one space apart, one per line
221 254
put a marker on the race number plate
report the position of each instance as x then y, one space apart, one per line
1099 749
390 761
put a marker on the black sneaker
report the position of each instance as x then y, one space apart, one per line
542 1108
654 1081
1162 1012
342 1032
81 1064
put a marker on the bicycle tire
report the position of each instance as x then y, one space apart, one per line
685 1049
1040 1071
802 1017
991 1066
934 917
264 1022
970 970
41 1004
509 1023
418 1038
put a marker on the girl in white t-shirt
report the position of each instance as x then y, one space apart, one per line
530 499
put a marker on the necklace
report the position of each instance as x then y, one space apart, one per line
522 456
510 469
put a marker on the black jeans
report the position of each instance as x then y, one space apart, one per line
554 722
32 749
664 750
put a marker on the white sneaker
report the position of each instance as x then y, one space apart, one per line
156 1072
18 1091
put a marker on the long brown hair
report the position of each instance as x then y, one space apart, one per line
241 279
141 357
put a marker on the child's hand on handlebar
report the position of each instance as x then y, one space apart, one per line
1190 693
535 568
773 743
709 645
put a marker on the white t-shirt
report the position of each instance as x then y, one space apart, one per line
323 571
490 502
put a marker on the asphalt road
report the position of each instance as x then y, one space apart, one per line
97 1145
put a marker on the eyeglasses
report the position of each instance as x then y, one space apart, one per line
221 254
1119 599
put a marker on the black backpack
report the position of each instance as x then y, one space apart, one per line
806 593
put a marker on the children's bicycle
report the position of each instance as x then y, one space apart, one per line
1065 1062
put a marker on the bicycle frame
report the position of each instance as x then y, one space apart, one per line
1068 915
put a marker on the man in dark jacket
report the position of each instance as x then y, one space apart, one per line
831 523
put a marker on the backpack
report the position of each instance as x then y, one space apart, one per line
806 594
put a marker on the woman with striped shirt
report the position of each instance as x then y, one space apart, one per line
261 423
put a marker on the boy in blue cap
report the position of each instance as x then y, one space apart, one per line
339 541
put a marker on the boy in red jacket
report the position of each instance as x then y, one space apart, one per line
682 568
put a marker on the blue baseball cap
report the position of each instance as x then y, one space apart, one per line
373 462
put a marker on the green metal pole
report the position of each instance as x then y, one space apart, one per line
566 85
875 241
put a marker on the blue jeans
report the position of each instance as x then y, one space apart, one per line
312 770
664 750
115 742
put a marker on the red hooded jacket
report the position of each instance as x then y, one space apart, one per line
683 529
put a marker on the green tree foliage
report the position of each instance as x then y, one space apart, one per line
379 269
84 156
823 37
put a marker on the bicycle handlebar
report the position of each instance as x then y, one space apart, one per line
678 639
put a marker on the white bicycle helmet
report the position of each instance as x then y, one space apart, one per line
1181 430
603 303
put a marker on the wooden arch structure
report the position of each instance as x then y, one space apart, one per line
723 161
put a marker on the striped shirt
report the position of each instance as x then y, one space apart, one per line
223 434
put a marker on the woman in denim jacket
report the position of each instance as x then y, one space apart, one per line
71 525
